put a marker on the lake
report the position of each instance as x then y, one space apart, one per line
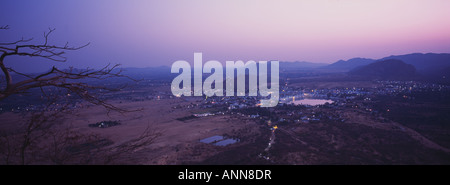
212 139
219 140
226 142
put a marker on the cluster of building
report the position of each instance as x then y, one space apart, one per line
342 98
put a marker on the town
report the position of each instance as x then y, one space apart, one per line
217 78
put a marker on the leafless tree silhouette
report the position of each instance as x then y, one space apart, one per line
55 77
42 139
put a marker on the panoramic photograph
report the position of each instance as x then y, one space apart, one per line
255 82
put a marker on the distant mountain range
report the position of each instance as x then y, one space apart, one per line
430 65
424 63
287 66
390 69
347 65
427 65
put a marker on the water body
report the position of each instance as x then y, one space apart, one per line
219 140
212 139
226 142
311 102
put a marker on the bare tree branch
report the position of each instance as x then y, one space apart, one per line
55 77
41 139
16 42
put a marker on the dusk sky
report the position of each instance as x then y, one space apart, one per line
146 33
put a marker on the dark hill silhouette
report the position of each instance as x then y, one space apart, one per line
391 69
347 65
425 63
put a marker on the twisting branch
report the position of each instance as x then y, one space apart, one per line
65 79
16 42
45 50
42 139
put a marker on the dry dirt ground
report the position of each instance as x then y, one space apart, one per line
179 140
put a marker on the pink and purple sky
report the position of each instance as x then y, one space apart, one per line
147 33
